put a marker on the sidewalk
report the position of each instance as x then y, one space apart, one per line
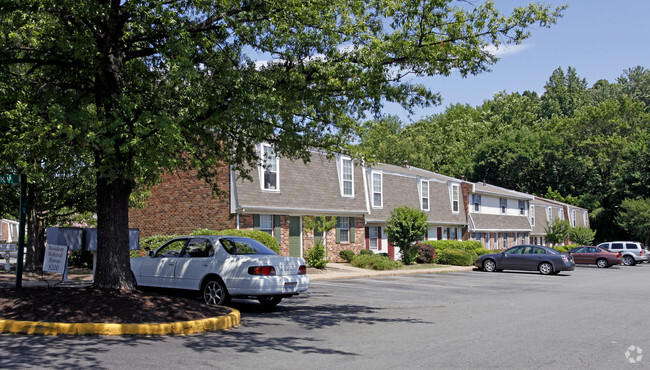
335 271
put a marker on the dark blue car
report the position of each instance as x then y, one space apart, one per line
527 257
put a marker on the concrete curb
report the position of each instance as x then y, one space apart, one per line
175 328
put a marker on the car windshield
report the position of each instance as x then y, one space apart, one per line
244 246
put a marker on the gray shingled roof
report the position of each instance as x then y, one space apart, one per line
306 189
484 188
400 188
487 222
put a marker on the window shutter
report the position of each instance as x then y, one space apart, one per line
256 222
338 231
277 224
352 230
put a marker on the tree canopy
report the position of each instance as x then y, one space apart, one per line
144 87
587 146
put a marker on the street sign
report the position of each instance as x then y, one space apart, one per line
9 179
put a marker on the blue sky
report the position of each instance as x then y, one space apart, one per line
600 38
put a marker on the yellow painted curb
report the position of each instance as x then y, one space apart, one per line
175 328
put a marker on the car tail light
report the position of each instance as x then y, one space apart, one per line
261 270
618 255
565 258
302 270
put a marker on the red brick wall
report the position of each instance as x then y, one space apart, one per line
181 203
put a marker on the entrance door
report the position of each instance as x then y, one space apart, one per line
294 236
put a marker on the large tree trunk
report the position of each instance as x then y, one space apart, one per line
35 234
113 269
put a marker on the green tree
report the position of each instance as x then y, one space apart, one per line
565 93
558 231
636 83
582 235
146 87
405 227
634 217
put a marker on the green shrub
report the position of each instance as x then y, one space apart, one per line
456 257
366 252
426 253
482 251
466 245
81 259
347 255
260 236
375 262
315 256
563 248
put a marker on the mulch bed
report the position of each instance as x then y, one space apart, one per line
92 305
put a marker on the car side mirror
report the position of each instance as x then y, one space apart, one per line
150 253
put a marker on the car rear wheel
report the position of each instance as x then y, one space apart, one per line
628 261
214 292
489 266
545 268
269 301
602 263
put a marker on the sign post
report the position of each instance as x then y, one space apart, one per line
21 231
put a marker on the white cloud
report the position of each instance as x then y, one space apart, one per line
502 50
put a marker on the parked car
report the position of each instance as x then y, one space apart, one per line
632 252
527 257
222 267
595 256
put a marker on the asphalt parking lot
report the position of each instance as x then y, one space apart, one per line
588 318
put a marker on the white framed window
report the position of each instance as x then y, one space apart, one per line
504 240
549 214
503 204
585 218
455 198
560 213
496 241
377 195
522 207
270 169
347 177
373 237
476 200
266 224
424 195
573 217
344 229
532 215
13 231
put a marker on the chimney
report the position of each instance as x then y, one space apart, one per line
406 164
484 183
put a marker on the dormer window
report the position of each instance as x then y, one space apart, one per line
347 177
376 184
549 214
560 213
522 207
455 198
532 215
503 203
424 195
269 169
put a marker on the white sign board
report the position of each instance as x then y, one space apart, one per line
56 258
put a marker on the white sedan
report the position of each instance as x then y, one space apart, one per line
221 267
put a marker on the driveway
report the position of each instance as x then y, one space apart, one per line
588 318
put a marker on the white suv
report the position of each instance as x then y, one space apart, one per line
632 252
